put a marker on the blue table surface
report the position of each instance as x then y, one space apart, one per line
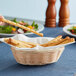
66 65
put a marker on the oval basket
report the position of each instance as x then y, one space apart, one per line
37 57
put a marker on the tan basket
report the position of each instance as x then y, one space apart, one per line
37 57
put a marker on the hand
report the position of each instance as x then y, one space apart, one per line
1 17
1 23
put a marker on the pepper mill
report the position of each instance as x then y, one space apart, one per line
64 13
51 14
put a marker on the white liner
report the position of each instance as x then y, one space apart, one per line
40 40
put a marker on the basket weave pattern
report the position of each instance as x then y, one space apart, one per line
35 57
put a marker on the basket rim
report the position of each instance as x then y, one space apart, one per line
40 51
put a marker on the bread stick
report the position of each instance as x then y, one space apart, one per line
62 40
21 26
29 43
68 41
23 45
57 39
17 43
56 43
11 41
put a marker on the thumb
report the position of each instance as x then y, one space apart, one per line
1 17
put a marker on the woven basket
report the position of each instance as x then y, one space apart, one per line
37 57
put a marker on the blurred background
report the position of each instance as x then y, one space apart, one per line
32 9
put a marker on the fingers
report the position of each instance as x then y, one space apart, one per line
1 17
